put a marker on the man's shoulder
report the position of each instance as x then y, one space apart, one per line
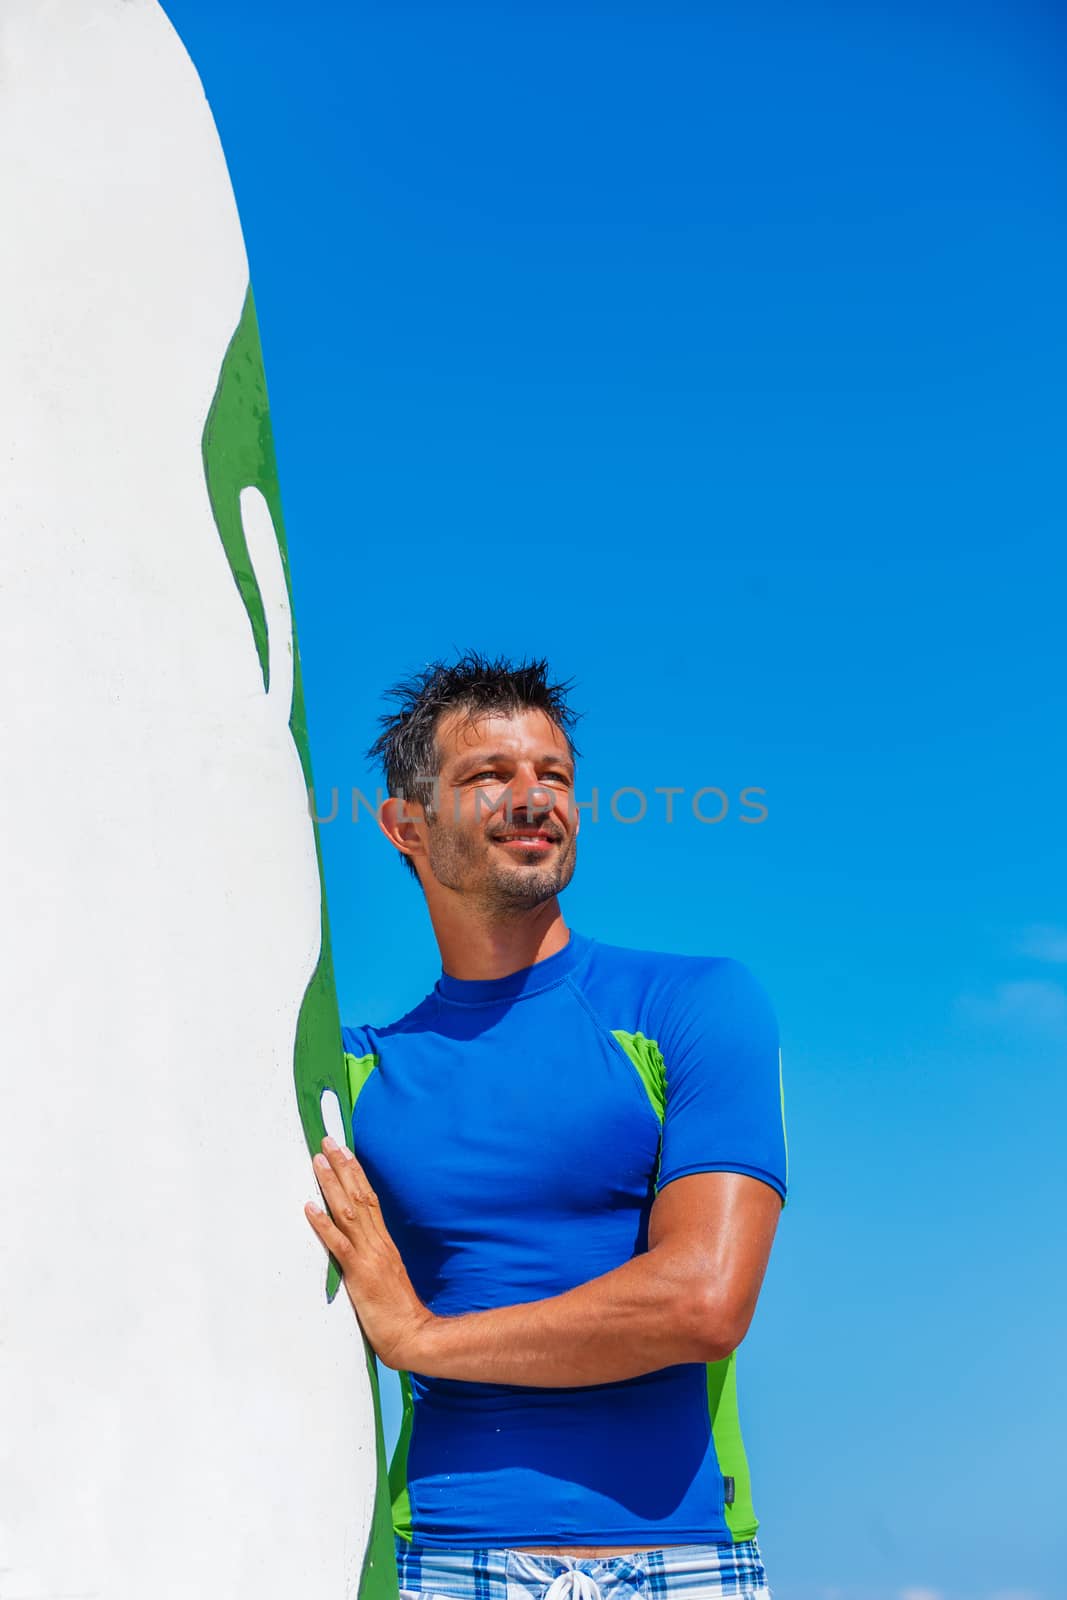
669 969
367 1038
651 986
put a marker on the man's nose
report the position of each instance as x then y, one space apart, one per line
529 796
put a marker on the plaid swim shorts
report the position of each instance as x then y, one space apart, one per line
678 1572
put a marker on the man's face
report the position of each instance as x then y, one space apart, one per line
505 827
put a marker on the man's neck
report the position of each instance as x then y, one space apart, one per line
472 947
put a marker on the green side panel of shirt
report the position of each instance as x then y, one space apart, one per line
358 1070
723 1416
398 1467
785 1140
647 1059
741 1516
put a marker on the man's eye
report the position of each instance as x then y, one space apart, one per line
488 773
562 776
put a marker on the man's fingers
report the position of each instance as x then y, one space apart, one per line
346 1209
335 1241
348 1170
344 1185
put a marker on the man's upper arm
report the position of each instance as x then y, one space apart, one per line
715 1230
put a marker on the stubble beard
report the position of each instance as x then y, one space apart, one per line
473 867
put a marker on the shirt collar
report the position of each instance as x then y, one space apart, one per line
527 980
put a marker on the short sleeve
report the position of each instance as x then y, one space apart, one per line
360 1061
354 1041
724 1108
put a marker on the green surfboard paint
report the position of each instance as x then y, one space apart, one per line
238 452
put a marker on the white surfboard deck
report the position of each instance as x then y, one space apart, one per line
181 1412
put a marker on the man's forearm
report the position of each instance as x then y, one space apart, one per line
641 1316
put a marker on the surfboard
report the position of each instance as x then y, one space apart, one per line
187 1406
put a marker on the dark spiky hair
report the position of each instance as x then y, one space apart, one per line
475 685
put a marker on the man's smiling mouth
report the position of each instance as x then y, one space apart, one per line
533 837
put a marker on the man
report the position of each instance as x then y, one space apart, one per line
570 1162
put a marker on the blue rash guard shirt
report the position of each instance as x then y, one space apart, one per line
516 1131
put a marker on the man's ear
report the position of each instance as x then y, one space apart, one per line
404 824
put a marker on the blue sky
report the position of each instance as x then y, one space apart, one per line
718 354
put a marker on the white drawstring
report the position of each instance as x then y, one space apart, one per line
573 1585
